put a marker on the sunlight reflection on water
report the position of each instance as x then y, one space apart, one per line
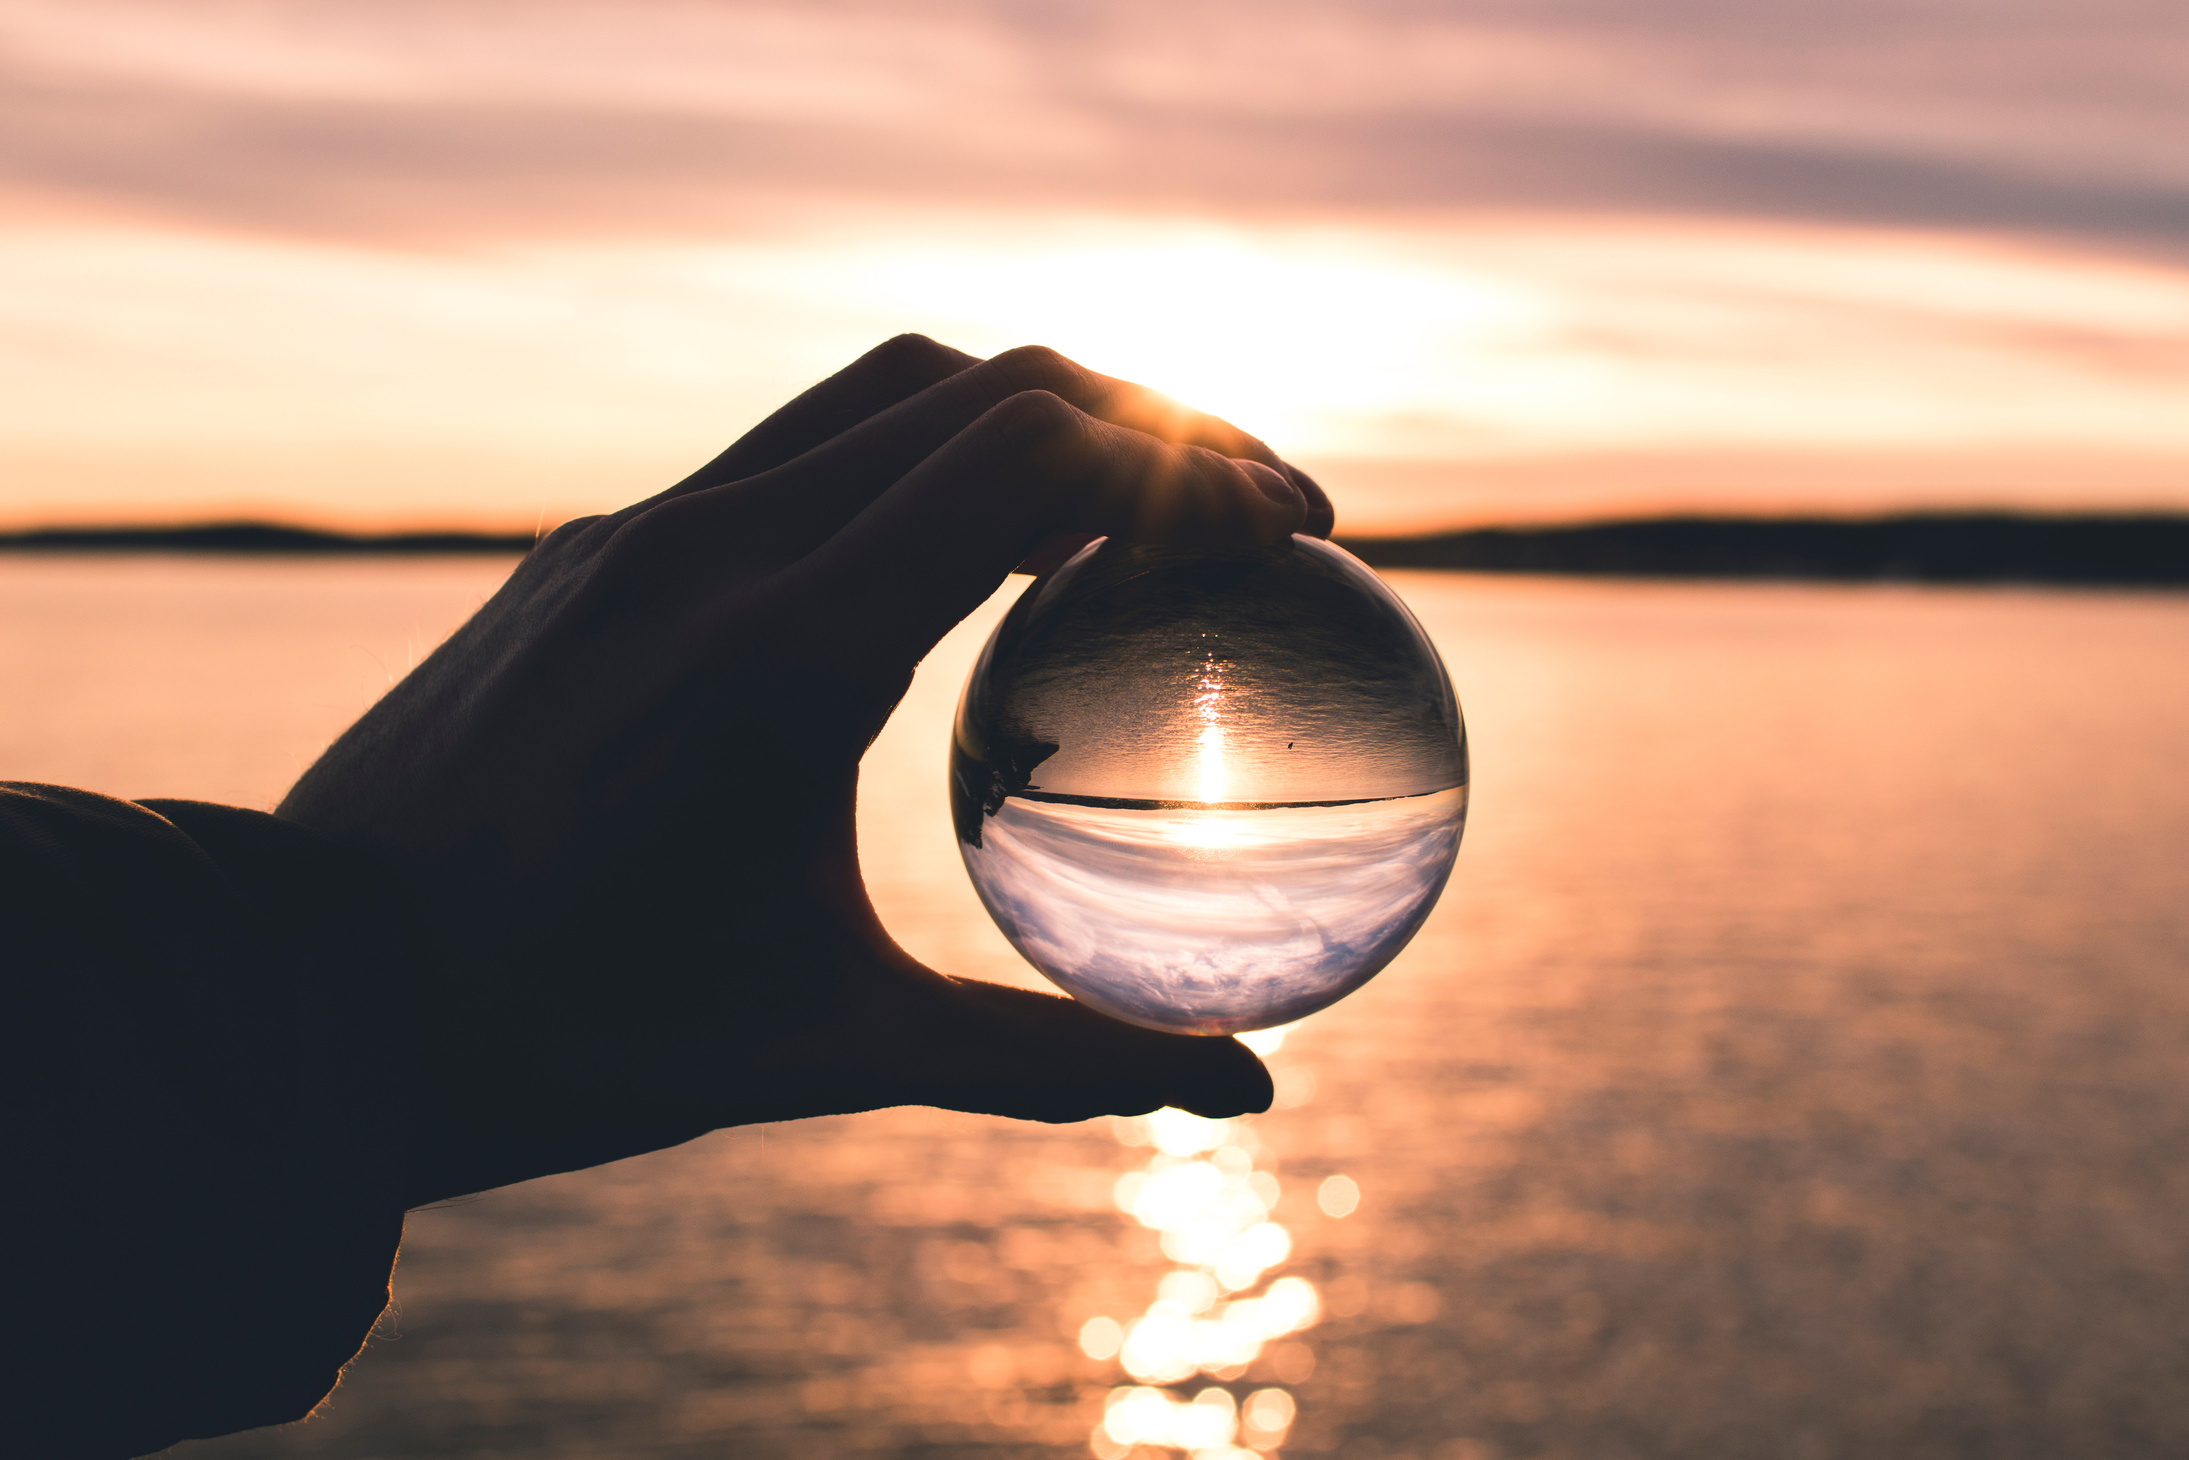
1209 1189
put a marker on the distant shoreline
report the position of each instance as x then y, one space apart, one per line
2122 550
256 538
2142 550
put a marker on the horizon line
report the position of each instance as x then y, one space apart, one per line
1993 546
270 534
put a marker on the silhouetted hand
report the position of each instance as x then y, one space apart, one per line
625 788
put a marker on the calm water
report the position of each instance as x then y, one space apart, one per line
1795 1068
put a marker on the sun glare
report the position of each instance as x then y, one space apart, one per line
1210 829
1290 338
1211 782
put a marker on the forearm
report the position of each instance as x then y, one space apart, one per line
215 1115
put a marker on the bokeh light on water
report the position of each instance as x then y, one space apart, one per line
1208 1188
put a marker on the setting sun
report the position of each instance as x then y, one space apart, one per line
1295 335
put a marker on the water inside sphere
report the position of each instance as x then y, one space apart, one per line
1209 792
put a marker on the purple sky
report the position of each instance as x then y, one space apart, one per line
394 119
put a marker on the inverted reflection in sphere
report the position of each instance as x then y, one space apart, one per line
1209 792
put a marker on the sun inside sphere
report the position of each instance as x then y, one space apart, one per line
1209 792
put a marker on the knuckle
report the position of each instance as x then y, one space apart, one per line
628 546
576 527
1037 422
912 357
1037 367
569 538
657 531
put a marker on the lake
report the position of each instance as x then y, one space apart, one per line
1798 1067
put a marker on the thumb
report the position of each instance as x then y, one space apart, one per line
1032 1056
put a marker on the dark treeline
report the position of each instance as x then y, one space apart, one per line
256 537
1928 547
2151 549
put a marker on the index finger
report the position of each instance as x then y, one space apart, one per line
892 372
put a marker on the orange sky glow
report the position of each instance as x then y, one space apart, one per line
493 264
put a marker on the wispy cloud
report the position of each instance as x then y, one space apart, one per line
388 120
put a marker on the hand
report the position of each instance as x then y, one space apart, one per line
625 788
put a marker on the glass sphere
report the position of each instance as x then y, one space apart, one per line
1209 792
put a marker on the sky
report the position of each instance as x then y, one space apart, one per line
482 263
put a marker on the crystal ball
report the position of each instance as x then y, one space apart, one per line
1209 792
